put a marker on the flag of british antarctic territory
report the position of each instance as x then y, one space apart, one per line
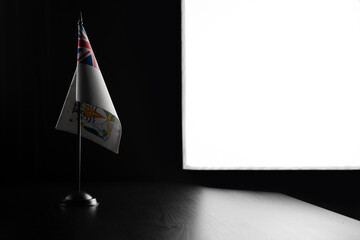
99 120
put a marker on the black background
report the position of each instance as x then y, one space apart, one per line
138 48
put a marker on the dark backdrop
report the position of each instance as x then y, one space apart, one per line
138 47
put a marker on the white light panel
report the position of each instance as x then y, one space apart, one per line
271 84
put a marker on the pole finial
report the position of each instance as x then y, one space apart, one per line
81 19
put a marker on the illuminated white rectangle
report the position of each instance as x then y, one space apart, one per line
271 84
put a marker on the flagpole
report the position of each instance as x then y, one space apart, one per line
80 23
79 148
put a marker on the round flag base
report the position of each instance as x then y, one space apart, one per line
79 199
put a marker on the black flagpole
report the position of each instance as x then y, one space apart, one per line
80 22
79 198
79 147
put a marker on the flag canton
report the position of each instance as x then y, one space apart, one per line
85 53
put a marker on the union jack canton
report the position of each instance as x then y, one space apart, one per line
85 52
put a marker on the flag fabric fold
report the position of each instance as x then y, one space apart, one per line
99 120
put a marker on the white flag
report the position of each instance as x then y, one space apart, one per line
99 120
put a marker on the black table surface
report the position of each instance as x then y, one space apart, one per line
166 211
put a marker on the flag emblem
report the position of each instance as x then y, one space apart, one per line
94 120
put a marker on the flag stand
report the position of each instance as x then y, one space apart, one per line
92 90
79 198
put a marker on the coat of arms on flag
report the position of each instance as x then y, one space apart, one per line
99 119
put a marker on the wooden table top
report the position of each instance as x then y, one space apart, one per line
167 211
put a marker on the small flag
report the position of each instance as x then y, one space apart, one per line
99 120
